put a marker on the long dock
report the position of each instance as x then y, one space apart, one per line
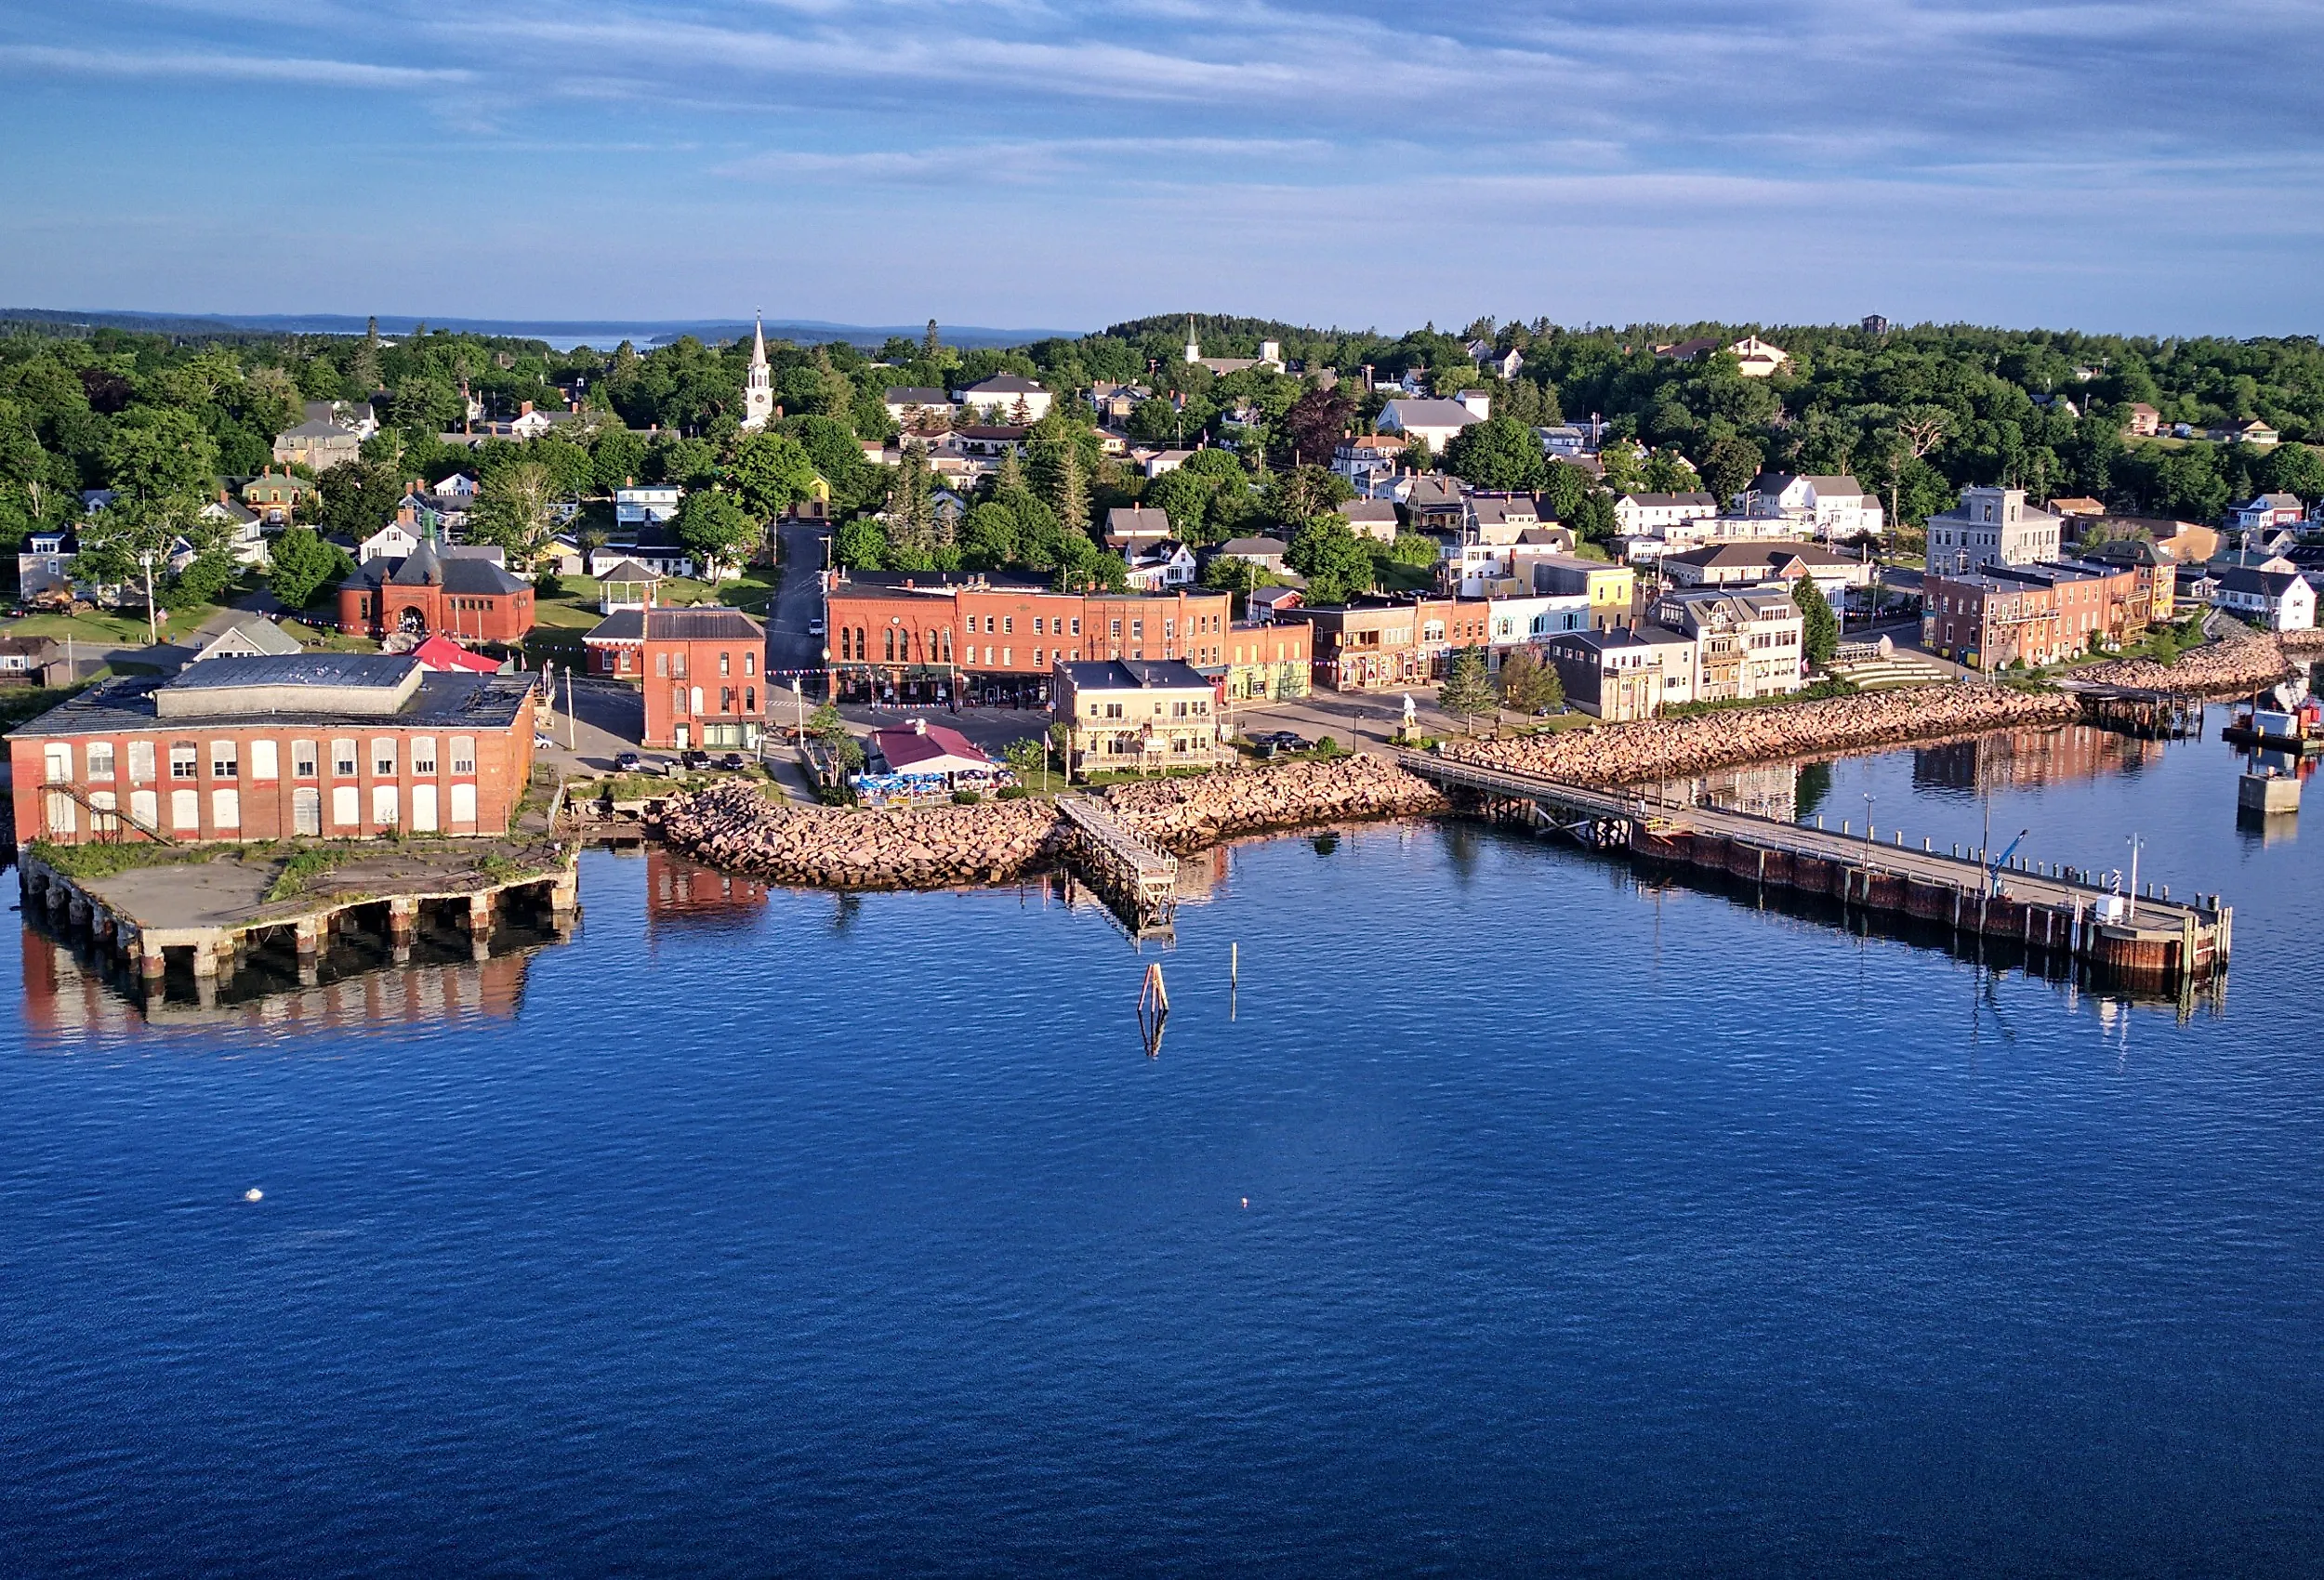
1137 878
2159 942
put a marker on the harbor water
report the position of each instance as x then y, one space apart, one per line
1519 1212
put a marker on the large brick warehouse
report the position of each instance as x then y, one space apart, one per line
337 745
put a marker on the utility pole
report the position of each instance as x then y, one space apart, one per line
572 743
2137 845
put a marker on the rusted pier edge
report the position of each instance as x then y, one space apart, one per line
2163 944
217 952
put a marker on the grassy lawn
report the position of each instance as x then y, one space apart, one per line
99 628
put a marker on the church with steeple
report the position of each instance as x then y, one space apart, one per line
758 386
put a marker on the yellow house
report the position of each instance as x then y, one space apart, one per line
1611 588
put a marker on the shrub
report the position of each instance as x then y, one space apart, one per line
965 798
1014 793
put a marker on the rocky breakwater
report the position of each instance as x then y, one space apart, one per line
1669 748
1191 813
737 827
2235 664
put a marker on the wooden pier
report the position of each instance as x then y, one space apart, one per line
1137 878
2149 716
2157 941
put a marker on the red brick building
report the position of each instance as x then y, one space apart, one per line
988 635
2034 615
332 746
433 591
702 672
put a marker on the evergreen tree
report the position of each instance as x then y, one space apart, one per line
1071 491
1530 681
932 347
1468 688
1819 629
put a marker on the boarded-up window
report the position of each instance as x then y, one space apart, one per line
141 762
307 812
263 764
462 805
464 754
303 759
423 808
145 808
185 810
225 809
423 754
58 756
383 806
100 759
346 805
64 813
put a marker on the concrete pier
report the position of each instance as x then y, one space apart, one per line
216 954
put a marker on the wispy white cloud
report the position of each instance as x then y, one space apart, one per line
223 67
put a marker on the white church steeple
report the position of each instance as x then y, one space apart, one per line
759 387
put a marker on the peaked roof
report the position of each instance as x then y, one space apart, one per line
440 653
937 749
1432 413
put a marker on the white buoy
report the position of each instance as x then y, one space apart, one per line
255 1194
1245 1201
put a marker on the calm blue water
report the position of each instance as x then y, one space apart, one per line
1522 1218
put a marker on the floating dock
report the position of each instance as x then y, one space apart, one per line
2152 941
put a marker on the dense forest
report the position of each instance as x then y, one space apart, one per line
1916 413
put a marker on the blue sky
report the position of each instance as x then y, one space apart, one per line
2106 166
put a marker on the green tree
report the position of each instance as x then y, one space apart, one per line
861 544
1530 682
1336 565
513 512
1468 688
2294 469
1730 462
1819 629
716 531
772 472
1029 758
304 566
1304 493
154 455
1500 454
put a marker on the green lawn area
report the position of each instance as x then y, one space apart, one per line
1406 578
101 628
573 610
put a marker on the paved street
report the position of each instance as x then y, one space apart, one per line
798 600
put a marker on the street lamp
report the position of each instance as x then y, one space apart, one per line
2137 844
1868 838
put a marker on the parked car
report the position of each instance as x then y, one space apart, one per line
693 757
731 760
628 762
544 743
815 626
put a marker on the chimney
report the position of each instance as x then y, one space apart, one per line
524 409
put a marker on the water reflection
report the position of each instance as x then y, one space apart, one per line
68 990
2024 759
678 889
